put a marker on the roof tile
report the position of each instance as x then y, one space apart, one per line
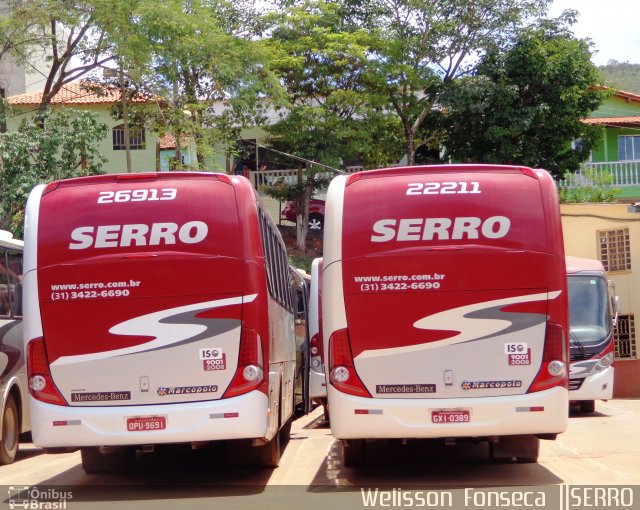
75 93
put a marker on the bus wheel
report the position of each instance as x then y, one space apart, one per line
94 461
524 449
353 452
377 451
10 432
587 406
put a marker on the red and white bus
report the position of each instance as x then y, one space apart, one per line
444 307
14 409
317 380
160 310
592 315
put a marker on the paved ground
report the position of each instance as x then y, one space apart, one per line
598 449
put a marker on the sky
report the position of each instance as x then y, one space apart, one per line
611 24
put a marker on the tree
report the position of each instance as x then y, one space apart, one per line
32 155
321 58
206 63
75 37
17 35
420 47
525 105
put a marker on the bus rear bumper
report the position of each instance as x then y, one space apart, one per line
240 417
543 412
595 387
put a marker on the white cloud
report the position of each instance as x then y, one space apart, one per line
612 25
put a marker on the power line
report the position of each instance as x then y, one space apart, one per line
293 156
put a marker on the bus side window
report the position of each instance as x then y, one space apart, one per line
5 303
14 274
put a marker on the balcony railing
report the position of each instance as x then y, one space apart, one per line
616 174
291 176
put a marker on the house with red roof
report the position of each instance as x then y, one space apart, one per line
618 152
149 151
610 232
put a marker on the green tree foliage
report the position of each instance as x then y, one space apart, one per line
321 58
74 35
30 155
595 187
421 47
203 55
525 105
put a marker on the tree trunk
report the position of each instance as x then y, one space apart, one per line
302 219
177 132
3 111
411 149
125 120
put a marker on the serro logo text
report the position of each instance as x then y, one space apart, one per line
138 234
429 229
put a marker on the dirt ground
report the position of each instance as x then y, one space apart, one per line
314 243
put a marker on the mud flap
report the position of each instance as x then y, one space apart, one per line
523 448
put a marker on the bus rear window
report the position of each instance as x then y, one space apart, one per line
443 209
197 216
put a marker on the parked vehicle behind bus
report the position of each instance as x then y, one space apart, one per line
444 308
160 310
592 316
14 417
317 380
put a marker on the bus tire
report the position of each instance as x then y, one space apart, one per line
377 451
524 449
587 406
57 451
95 462
10 432
353 452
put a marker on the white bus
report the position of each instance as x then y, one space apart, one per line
593 312
160 310
14 419
444 308
317 380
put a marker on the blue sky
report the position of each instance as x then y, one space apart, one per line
611 24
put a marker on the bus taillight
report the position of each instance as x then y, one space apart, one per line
553 370
249 373
342 373
314 345
41 385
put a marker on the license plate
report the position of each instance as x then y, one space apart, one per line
144 423
451 416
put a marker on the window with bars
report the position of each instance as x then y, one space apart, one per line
624 338
615 249
136 138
